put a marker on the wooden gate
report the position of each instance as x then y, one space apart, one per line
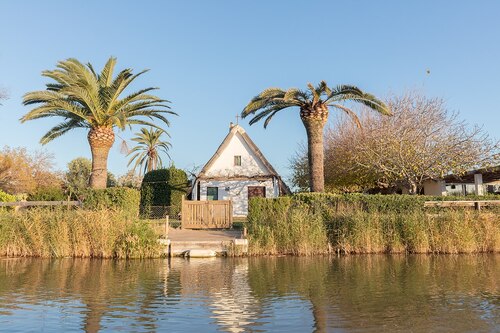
212 214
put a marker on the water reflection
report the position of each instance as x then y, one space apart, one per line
396 293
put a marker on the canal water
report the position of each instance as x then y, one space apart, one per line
371 293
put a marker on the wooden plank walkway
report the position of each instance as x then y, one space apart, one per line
186 235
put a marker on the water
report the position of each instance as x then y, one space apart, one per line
281 294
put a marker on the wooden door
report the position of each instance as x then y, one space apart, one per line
256 191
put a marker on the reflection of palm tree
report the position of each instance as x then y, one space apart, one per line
146 153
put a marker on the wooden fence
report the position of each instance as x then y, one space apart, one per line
213 214
464 203
21 204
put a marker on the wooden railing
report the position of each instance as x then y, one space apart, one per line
213 214
19 204
477 204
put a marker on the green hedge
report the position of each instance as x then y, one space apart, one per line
380 202
163 187
48 194
117 198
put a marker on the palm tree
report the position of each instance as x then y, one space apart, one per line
313 104
90 100
149 145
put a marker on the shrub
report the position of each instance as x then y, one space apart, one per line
5 197
48 194
116 198
163 187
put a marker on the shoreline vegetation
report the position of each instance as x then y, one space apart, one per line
59 232
304 224
314 223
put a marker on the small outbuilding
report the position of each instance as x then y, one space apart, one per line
479 182
238 171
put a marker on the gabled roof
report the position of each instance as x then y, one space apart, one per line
236 129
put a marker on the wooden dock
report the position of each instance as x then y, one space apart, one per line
181 241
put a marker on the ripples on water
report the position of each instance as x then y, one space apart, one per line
287 294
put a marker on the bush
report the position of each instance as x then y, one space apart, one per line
5 197
164 187
48 194
115 198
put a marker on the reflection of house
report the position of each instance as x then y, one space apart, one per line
479 182
237 171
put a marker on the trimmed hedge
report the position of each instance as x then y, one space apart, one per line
163 187
381 202
48 194
117 198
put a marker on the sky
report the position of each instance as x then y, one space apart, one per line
209 58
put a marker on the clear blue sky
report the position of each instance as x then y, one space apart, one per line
210 57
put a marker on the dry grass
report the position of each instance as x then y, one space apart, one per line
289 226
75 233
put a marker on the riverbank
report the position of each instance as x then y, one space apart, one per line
59 232
297 225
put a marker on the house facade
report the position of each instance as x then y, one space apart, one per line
237 171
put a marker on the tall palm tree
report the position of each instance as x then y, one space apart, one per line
147 152
86 99
313 104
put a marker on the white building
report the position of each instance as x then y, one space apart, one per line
237 171
479 182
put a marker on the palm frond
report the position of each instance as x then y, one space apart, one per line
78 93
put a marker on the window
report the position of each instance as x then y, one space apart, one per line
212 193
237 160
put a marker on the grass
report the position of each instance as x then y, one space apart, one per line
61 232
353 225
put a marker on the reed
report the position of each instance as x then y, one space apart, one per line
283 226
61 232
357 224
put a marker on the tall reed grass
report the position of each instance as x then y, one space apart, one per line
61 232
309 224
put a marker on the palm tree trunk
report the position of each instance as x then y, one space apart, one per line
314 122
100 139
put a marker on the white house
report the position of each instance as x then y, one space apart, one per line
237 171
480 181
